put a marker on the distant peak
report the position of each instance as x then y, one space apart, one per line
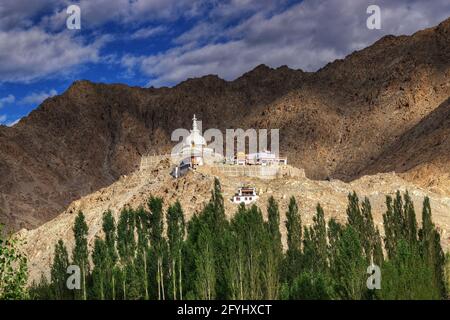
262 68
207 80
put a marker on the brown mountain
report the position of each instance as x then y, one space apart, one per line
384 108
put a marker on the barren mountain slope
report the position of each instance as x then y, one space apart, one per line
421 154
194 189
334 122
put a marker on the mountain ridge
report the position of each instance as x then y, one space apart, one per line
335 122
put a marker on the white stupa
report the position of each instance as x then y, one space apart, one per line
194 150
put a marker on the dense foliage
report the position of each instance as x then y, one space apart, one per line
13 269
152 254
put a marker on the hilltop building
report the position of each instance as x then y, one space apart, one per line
194 152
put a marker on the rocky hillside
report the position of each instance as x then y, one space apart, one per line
380 109
194 190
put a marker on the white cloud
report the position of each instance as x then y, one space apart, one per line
229 37
36 98
307 36
6 100
30 54
12 123
4 120
20 13
95 13
148 32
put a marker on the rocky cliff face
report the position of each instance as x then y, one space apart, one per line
381 109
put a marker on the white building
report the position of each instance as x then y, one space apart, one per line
193 152
264 158
245 195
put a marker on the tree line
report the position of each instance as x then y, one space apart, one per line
152 254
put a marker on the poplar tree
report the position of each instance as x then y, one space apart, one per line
218 224
58 273
251 229
349 268
431 248
407 276
236 256
294 240
143 232
175 234
80 252
318 234
273 254
100 260
109 229
205 264
389 232
411 221
334 232
127 249
361 219
158 242
200 244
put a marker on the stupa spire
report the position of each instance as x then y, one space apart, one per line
194 124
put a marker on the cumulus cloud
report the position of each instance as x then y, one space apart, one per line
22 13
51 14
26 55
226 37
306 35
34 42
36 98
3 118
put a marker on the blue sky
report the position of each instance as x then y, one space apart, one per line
162 42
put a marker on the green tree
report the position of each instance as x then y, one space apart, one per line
273 251
109 229
447 273
175 234
361 219
411 221
200 244
127 248
99 275
13 269
158 242
251 232
218 225
41 290
431 248
315 243
406 276
294 241
349 268
311 286
143 248
80 253
235 271
58 273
